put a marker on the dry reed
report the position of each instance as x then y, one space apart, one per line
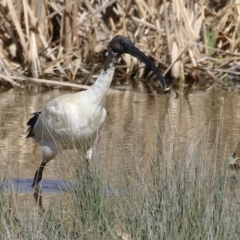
63 40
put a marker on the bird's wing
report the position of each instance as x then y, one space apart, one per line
69 117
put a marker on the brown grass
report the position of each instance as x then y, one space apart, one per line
48 39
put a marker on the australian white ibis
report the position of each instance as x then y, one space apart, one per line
74 120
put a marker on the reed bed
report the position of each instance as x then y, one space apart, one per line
60 43
190 196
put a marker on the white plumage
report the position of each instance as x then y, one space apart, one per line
74 120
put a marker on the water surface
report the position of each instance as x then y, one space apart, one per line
129 139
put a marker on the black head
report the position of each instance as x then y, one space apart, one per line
121 44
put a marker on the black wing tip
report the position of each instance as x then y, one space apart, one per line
31 122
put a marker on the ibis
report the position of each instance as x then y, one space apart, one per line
74 120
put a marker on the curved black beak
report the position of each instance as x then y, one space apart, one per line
132 50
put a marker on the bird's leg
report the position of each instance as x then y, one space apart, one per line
89 153
49 152
38 199
38 175
88 156
88 174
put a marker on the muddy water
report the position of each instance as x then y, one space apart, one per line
128 140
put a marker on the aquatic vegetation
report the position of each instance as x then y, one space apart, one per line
188 196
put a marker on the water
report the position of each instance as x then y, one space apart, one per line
129 139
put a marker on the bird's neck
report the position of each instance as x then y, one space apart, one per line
97 93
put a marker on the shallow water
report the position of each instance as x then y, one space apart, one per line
129 139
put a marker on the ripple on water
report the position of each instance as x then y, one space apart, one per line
25 186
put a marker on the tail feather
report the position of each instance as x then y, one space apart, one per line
31 122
